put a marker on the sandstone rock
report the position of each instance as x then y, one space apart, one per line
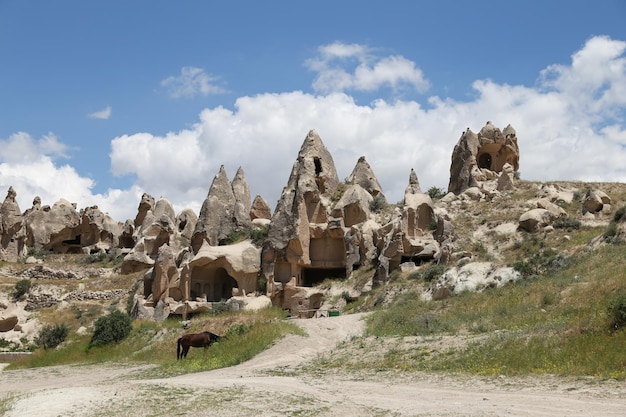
48 228
217 215
186 223
533 220
8 323
505 183
242 208
304 204
363 175
260 209
215 270
594 201
554 210
353 206
474 277
473 154
98 231
11 234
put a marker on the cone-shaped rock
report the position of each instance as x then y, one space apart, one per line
260 209
215 221
414 185
363 175
241 191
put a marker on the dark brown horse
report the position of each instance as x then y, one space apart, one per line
204 339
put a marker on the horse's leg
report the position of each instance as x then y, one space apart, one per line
178 349
185 350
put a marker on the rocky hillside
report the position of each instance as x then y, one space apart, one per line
489 229
492 248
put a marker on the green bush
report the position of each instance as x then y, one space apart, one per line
619 214
433 272
21 288
617 311
52 336
378 203
111 328
436 193
566 223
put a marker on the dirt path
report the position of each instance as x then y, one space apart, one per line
272 385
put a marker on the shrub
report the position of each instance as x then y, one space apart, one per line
619 214
617 311
21 288
378 203
52 336
258 235
566 223
436 193
433 272
112 328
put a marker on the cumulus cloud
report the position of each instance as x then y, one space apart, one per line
103 114
353 67
570 126
191 82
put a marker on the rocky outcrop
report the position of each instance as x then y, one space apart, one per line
11 238
596 201
408 236
474 277
260 209
98 231
157 229
51 228
476 155
225 210
363 175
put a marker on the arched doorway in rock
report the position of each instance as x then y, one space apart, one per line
485 160
212 283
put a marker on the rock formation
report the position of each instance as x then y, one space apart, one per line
11 240
51 228
260 209
474 154
98 232
363 175
226 209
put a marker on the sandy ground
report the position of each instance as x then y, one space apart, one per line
275 383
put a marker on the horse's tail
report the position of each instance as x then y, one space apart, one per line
178 348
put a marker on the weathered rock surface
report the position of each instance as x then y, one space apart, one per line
474 277
222 212
260 209
477 156
47 228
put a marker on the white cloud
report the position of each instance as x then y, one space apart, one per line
369 72
191 82
103 114
561 137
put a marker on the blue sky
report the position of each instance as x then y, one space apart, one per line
102 101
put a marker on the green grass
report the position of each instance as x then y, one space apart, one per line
554 324
155 343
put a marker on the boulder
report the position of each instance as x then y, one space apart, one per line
594 201
473 277
535 219
8 323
